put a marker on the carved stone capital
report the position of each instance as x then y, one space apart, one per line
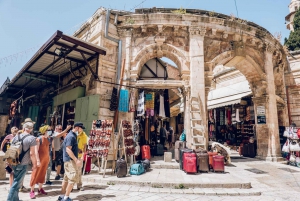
160 40
214 32
144 28
196 30
225 35
176 28
269 47
128 32
160 28
134 74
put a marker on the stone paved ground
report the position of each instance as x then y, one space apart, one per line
273 184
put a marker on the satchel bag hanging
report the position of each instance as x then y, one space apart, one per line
294 146
285 133
292 158
286 146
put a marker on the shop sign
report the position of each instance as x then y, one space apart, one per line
261 119
261 110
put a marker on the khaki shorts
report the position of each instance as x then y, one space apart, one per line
71 172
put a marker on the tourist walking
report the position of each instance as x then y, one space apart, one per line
38 175
58 137
4 146
82 140
19 171
51 150
71 162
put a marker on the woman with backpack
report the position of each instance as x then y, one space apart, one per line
38 175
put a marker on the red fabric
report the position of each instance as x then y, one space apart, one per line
298 133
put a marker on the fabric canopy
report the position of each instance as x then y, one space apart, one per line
229 95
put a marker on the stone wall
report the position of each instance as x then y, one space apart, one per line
292 81
3 124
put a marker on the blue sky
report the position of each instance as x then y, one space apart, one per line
26 25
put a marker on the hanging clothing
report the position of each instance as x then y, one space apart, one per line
229 116
124 100
237 115
131 101
140 109
161 106
114 100
167 103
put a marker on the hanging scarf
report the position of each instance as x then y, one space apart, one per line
140 109
124 100
114 100
167 103
229 116
161 106
131 102
237 115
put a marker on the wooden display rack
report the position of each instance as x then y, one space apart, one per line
105 159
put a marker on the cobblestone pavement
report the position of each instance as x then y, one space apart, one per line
274 182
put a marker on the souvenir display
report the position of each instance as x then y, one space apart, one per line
128 138
291 148
98 145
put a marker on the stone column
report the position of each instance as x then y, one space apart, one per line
268 134
197 74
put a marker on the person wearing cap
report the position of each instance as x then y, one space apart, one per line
82 140
19 171
71 162
38 175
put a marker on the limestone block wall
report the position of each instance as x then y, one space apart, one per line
292 81
93 31
3 124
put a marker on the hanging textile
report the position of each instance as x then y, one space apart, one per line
228 116
140 109
131 101
124 100
147 129
114 100
252 114
237 115
167 103
161 106
151 104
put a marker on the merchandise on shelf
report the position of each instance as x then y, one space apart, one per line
99 142
128 137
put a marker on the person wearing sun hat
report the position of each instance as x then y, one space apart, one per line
38 174
28 120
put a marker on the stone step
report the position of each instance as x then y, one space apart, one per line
171 185
186 190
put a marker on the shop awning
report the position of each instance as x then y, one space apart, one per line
229 95
59 56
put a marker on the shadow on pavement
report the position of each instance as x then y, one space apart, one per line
95 187
92 197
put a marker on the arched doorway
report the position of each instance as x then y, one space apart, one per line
163 103
197 44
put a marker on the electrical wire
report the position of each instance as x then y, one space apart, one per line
237 12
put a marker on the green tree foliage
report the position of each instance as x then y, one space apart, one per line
293 42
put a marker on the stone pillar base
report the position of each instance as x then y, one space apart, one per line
271 158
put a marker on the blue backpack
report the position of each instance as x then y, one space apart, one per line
137 169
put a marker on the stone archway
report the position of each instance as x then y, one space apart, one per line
197 42
158 51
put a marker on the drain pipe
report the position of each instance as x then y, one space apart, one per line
115 40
